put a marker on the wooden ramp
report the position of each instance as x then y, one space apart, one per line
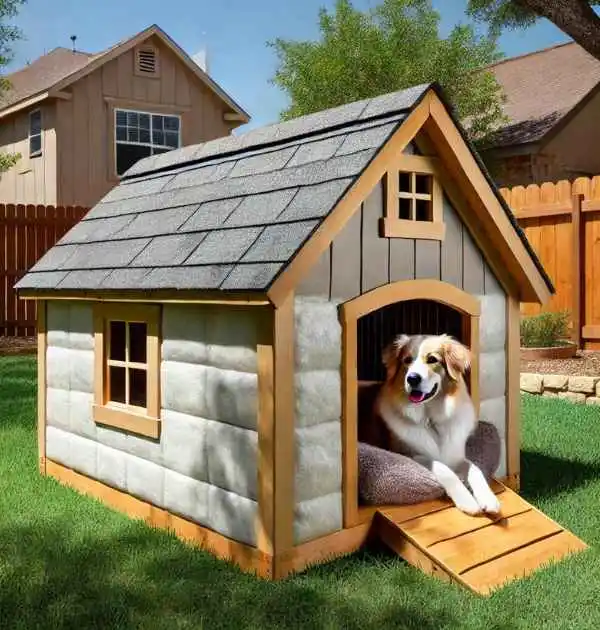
479 552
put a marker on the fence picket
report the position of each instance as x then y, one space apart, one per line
26 234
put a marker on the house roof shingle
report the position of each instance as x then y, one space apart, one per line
43 73
541 88
229 214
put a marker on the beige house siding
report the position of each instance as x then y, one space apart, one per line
31 180
77 165
85 124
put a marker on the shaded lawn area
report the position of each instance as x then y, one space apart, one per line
68 562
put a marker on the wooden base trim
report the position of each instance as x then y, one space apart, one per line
247 558
324 549
591 331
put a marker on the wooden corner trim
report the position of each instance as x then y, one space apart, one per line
42 341
448 141
392 227
284 469
248 558
309 254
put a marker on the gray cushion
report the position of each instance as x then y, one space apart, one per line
387 478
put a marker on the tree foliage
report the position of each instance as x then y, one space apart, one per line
576 18
390 47
9 34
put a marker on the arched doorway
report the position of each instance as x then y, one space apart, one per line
369 322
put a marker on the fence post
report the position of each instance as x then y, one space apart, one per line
578 307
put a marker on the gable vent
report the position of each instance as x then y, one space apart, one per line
147 62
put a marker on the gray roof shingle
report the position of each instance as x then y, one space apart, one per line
228 215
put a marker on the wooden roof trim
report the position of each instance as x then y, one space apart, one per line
462 165
158 296
359 191
119 49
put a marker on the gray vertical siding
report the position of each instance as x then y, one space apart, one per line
359 260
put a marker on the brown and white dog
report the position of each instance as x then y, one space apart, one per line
424 410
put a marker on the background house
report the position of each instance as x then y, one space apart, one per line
553 106
79 120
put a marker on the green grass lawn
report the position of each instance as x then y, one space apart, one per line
68 562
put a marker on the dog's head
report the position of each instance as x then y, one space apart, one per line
421 366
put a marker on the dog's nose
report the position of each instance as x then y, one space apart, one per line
413 379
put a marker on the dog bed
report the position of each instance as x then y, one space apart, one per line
386 478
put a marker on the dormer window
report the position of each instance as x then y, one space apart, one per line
413 205
146 61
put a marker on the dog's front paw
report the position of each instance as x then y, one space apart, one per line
490 504
468 505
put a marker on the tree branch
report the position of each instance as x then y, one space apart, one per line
575 17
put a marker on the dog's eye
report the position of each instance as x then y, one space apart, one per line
407 360
432 359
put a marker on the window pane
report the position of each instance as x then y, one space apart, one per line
117 341
116 379
424 210
404 182
144 135
132 119
133 135
157 123
128 155
35 122
35 144
171 123
158 137
121 133
121 118
405 208
423 184
144 121
172 139
137 342
137 387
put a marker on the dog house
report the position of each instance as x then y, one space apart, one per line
204 331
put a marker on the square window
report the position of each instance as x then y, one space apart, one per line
126 395
423 210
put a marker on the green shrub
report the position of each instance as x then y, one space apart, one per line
545 330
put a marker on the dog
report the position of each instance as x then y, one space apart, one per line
424 410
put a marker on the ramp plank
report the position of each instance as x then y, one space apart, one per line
480 552
496 573
451 522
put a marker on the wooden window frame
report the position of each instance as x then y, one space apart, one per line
133 419
136 62
40 151
391 225
350 313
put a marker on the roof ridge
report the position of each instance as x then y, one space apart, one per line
532 53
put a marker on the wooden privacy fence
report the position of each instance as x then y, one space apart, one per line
562 223
26 233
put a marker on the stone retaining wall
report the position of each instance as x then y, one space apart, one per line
577 389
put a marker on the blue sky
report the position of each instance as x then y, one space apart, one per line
235 33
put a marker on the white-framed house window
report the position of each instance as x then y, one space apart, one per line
140 134
35 133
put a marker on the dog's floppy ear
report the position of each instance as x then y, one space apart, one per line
456 356
392 351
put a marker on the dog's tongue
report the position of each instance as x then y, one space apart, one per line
416 397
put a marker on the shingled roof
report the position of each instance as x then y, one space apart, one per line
229 214
541 88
